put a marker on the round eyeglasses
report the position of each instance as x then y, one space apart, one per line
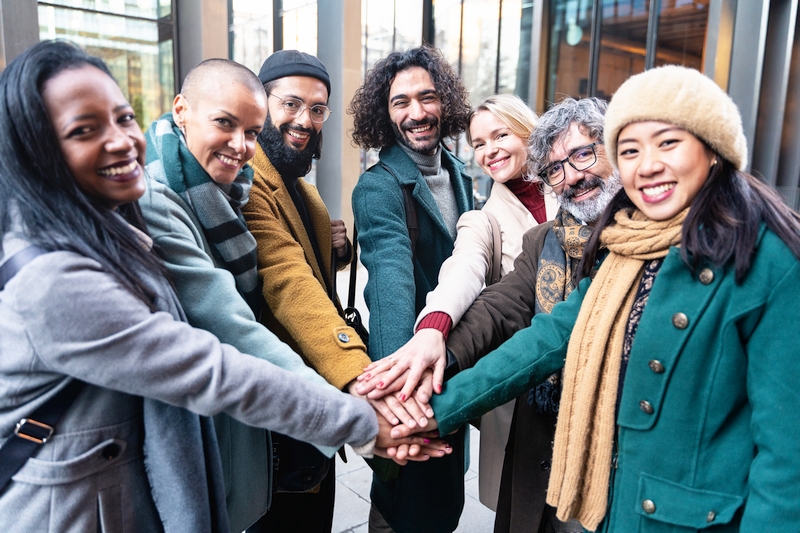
293 107
580 159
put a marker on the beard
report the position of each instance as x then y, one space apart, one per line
590 210
423 147
289 163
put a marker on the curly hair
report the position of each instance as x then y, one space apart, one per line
370 105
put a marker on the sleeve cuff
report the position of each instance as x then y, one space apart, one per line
367 450
437 320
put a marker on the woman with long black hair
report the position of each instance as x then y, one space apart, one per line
134 450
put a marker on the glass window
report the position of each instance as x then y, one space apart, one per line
510 52
251 33
623 43
682 32
568 56
130 37
300 25
479 47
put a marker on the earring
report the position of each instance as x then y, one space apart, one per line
713 163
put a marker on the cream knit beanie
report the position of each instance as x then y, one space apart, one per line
683 97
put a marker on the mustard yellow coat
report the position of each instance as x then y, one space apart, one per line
298 309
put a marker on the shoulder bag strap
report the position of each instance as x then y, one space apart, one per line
497 248
351 293
31 432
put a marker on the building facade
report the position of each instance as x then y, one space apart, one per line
542 50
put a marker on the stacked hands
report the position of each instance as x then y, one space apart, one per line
400 387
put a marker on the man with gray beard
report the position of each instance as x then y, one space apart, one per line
566 152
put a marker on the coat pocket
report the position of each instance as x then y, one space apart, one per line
667 502
106 454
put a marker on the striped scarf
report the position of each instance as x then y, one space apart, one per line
217 206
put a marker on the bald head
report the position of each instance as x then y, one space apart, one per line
213 75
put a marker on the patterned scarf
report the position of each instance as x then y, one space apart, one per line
585 431
217 206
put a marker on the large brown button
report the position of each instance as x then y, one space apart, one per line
711 516
645 406
656 366
680 320
648 506
706 276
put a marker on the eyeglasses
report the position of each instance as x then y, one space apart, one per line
293 107
580 159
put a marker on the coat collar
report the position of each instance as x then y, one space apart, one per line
407 172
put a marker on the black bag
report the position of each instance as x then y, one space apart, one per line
298 466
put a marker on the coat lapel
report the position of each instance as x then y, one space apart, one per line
292 218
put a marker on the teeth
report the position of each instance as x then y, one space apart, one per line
420 129
116 171
228 160
585 191
298 136
655 191
496 164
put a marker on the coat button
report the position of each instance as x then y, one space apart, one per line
111 451
680 320
344 337
711 516
645 406
706 276
656 366
648 506
545 465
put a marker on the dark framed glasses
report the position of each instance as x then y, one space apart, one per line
580 159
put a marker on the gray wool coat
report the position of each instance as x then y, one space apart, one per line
64 317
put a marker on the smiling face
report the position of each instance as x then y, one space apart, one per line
103 146
415 110
298 132
498 151
221 125
662 167
584 193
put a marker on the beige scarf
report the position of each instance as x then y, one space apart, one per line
585 431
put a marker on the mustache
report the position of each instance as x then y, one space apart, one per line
586 183
430 121
295 127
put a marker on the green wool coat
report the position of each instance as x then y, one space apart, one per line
718 363
425 496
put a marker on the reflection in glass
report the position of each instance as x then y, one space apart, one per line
151 9
568 61
479 47
142 66
623 43
682 32
251 30
300 25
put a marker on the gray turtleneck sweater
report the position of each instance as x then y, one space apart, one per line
438 179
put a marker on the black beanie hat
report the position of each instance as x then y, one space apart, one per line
293 63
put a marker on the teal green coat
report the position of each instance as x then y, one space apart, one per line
425 496
720 450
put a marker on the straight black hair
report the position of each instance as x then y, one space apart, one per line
722 224
38 190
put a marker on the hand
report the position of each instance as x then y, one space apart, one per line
404 369
418 447
339 237
411 413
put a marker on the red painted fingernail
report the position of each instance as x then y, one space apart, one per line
426 441
367 376
439 388
380 385
402 397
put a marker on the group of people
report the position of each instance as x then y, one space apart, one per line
172 338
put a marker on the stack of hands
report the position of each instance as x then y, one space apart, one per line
400 387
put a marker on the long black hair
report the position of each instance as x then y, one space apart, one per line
38 190
722 224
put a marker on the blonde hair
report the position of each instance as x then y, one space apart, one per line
511 111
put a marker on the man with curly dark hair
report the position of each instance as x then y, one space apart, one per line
409 102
